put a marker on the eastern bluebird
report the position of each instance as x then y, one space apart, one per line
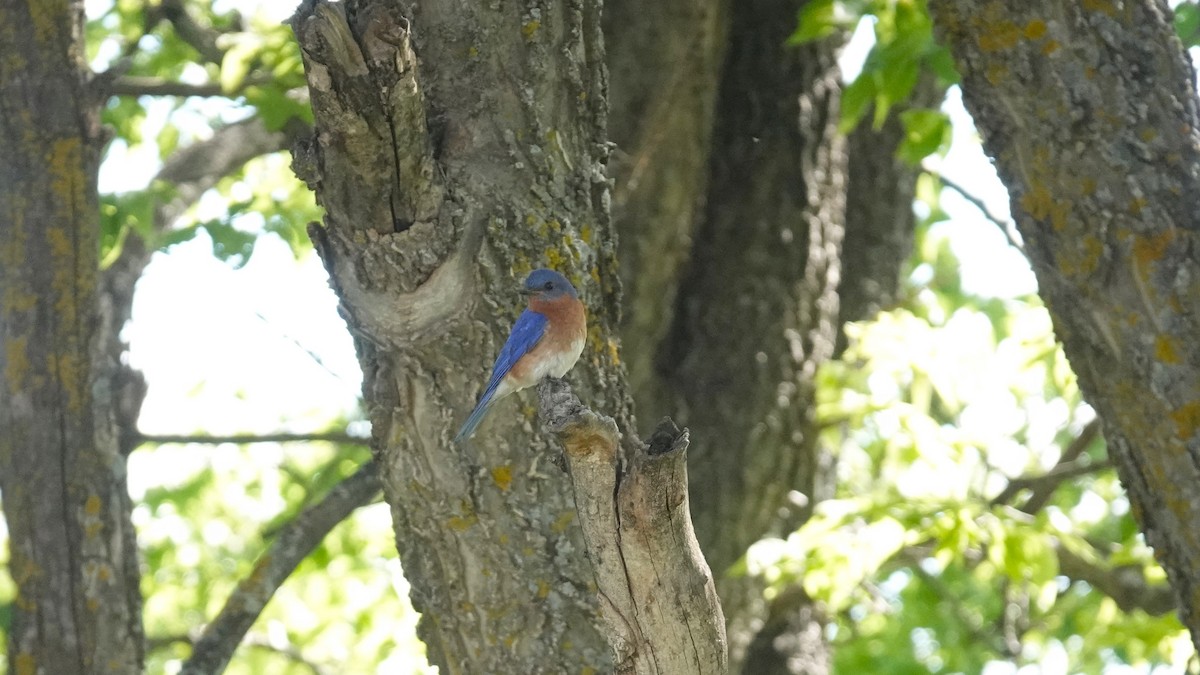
546 340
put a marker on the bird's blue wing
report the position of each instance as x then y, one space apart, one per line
525 334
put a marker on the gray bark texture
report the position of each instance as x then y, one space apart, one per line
62 470
456 148
1090 112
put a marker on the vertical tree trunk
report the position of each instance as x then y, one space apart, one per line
665 61
457 147
669 62
1090 112
760 308
73 550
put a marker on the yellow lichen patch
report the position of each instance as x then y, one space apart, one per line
1151 247
995 73
554 258
1050 47
1165 350
1037 202
465 521
1035 29
1087 186
999 36
503 539
16 363
1187 419
461 524
472 52
502 477
65 161
24 662
1137 204
521 268
530 28
585 233
543 589
44 15
614 352
1086 258
1104 6
1148 134
561 523
92 505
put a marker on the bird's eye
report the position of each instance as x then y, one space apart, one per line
549 286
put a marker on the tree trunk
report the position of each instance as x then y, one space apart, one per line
1090 112
73 549
457 147
669 63
665 62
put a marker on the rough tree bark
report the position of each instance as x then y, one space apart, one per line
62 472
667 62
1090 111
457 147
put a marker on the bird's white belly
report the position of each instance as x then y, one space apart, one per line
559 364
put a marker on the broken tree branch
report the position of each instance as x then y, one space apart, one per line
657 596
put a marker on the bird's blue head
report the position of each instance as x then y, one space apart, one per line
546 284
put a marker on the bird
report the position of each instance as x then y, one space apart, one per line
545 341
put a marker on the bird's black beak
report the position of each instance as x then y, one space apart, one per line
527 291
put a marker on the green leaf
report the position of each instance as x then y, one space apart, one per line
1187 23
925 132
229 243
237 61
856 100
816 20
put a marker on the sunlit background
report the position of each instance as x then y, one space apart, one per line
938 400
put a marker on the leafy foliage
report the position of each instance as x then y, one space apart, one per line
253 67
904 47
924 560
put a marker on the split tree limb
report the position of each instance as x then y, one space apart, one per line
294 543
657 596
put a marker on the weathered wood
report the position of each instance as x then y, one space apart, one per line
657 595
62 474
1090 112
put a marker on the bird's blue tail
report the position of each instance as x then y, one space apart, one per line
477 415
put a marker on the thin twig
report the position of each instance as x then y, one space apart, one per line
1126 584
241 439
1006 226
201 38
156 642
295 542
1044 485
130 85
299 345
